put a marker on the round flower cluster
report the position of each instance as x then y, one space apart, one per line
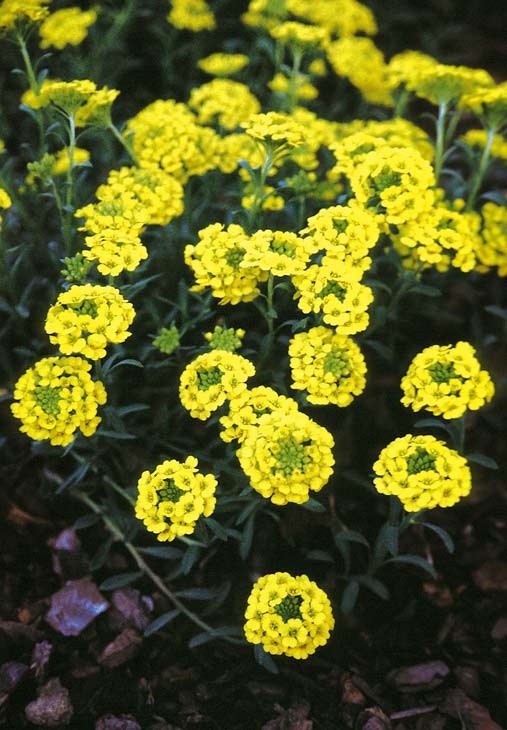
490 104
445 84
85 319
173 497
216 262
329 366
5 201
360 61
478 138
167 340
224 102
286 455
335 292
223 338
288 615
275 129
68 26
280 253
265 13
342 18
194 15
211 379
447 381
298 35
14 12
56 397
223 64
246 408
492 245
422 472
396 182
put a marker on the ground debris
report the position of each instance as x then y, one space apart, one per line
373 718
40 657
418 677
111 722
11 674
53 706
123 648
75 606
69 561
472 715
295 718
130 608
491 576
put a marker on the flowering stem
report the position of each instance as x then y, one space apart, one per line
481 170
145 568
401 103
124 142
259 182
34 86
440 143
68 210
293 81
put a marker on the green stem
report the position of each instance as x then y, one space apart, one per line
293 81
68 210
124 142
259 182
481 171
144 567
34 86
440 142
459 434
402 100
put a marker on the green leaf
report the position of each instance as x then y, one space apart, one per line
221 632
190 558
163 551
497 311
118 435
75 477
161 621
374 585
414 560
321 556
216 528
434 423
349 597
119 581
247 537
389 536
312 505
351 536
263 658
486 461
100 556
427 291
127 361
443 535
86 521
197 594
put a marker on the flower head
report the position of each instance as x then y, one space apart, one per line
223 64
247 407
223 338
167 340
68 26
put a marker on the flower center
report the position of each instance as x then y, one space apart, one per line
283 248
337 363
290 456
340 226
234 257
48 399
87 306
442 372
170 492
333 288
421 460
207 377
289 607
386 179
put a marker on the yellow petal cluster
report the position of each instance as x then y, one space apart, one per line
68 26
276 129
211 379
339 17
360 61
17 12
286 456
299 35
223 64
223 338
194 15
329 366
57 397
288 615
278 252
223 102
173 497
422 472
446 380
5 201
85 319
479 137
246 408
446 84
492 246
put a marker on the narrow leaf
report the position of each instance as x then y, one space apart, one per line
161 621
349 597
119 581
443 535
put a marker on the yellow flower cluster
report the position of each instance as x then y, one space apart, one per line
490 104
223 338
5 201
211 379
56 397
265 13
299 35
194 15
17 12
337 293
173 497
393 132
396 182
288 615
275 129
246 408
492 246
445 84
223 64
286 455
479 137
216 262
304 91
329 366
422 472
362 63
440 237
166 134
158 195
68 26
89 105
406 68
115 227
280 253
339 17
446 380
85 319
224 102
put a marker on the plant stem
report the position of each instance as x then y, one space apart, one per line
401 103
121 139
259 182
459 434
440 142
34 87
481 170
293 80
145 568
67 227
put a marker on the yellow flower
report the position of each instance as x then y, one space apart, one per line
330 367
56 397
85 319
288 615
265 13
16 13
490 104
224 339
422 472
478 138
280 253
492 245
223 102
68 26
216 262
246 408
173 497
194 15
286 455
298 35
362 63
447 381
445 84
339 17
5 201
223 64
211 379
305 91
275 129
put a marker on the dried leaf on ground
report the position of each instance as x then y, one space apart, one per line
418 677
295 718
75 606
472 715
121 650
